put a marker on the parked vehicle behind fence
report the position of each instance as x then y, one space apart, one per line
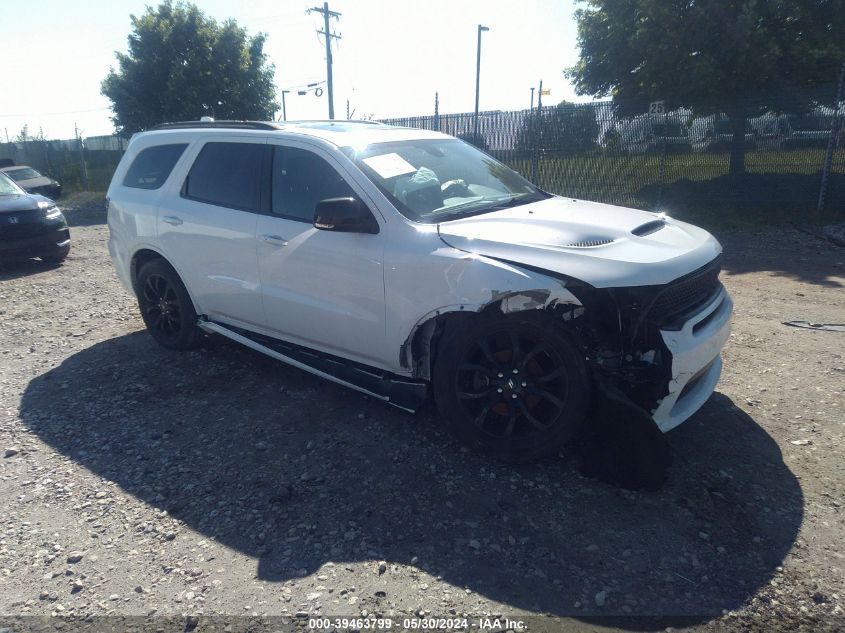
781 131
651 134
714 134
407 264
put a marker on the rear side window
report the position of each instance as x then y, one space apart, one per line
227 175
152 166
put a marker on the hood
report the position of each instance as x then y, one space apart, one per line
603 245
22 202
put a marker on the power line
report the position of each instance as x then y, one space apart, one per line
328 36
37 114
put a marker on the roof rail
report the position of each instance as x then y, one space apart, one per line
236 125
333 121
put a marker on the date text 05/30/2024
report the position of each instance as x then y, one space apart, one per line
416 624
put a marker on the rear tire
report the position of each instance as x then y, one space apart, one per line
513 387
166 306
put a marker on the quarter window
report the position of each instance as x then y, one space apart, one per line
152 166
301 179
227 175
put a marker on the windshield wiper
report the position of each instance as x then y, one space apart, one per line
516 201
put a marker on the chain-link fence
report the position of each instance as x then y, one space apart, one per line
78 164
643 155
634 154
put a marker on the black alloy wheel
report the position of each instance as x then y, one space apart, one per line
511 386
161 305
166 307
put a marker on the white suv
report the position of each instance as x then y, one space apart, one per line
402 262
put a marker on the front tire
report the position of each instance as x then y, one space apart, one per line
166 307
511 386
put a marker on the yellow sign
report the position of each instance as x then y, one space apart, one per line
546 93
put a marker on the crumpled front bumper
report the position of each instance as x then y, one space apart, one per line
696 365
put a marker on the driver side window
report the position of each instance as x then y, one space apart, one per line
301 179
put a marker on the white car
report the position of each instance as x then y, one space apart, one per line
405 263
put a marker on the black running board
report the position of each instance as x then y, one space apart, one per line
405 393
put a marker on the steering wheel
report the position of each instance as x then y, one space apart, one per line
452 188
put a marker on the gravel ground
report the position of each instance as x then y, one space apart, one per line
142 482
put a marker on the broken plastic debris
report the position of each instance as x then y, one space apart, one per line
830 327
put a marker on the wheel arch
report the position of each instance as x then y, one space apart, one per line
147 254
419 350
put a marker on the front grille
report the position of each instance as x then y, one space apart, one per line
22 232
687 293
21 225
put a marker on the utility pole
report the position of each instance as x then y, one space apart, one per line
481 29
328 35
532 97
84 169
284 111
347 109
536 135
436 112
831 140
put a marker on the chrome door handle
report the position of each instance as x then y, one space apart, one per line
278 240
172 219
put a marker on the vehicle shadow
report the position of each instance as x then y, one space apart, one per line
774 252
17 268
86 216
296 472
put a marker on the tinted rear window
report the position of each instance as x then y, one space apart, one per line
227 175
152 166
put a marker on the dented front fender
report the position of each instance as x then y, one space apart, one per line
454 281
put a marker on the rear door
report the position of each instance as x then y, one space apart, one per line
321 289
208 230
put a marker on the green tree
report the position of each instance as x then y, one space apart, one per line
713 55
182 65
26 136
568 128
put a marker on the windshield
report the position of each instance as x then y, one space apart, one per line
439 180
24 173
7 187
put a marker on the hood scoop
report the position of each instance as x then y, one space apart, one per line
648 228
590 242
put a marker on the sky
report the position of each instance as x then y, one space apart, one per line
391 59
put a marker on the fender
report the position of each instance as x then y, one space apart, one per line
132 269
521 290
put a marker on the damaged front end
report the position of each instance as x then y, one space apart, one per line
659 345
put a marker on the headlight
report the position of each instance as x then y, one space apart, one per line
52 213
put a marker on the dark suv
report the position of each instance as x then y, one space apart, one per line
30 225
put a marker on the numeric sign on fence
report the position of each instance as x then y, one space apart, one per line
657 107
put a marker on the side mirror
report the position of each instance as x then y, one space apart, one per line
344 215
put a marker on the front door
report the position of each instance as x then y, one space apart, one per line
321 289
